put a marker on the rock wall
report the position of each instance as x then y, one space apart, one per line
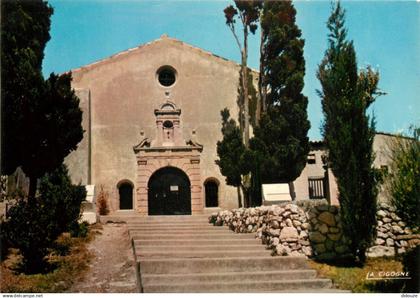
312 229
393 235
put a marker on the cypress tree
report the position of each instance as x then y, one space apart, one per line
41 119
280 140
231 153
348 133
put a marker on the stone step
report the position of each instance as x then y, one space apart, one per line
214 247
228 276
204 230
202 227
177 227
134 218
215 265
191 233
197 236
140 253
238 287
176 242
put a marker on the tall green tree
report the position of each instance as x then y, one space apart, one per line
348 133
25 32
280 140
41 119
247 12
231 152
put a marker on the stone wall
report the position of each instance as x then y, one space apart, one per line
392 233
312 229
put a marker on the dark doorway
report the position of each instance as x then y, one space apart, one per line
212 193
169 192
126 195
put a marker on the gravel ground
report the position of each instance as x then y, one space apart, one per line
112 269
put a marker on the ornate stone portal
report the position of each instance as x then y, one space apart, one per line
169 150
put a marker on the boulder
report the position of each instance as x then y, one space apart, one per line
389 242
297 223
289 233
275 224
282 250
320 248
334 237
395 217
305 225
328 218
381 213
304 242
381 235
274 232
334 230
303 234
316 237
323 228
295 254
275 241
307 251
379 241
380 251
397 230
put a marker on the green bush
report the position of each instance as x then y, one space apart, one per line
404 182
29 228
4 243
35 224
411 263
63 198
79 230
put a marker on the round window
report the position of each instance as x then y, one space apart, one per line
166 76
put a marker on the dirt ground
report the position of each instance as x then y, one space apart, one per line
113 268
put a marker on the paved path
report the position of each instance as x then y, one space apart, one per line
112 269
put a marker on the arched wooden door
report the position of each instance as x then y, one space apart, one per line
169 192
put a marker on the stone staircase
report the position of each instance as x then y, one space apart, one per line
186 254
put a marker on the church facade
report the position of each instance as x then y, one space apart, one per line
152 119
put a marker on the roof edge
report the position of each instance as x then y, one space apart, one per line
162 37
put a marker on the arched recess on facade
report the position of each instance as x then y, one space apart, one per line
169 192
211 192
125 194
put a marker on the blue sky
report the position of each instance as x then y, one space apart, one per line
386 35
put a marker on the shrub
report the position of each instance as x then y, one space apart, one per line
4 243
411 263
79 230
102 201
63 198
29 228
404 182
34 224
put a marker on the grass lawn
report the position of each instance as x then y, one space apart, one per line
69 259
354 278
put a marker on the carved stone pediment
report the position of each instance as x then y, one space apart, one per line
145 143
169 136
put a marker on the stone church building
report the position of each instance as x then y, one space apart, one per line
151 117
